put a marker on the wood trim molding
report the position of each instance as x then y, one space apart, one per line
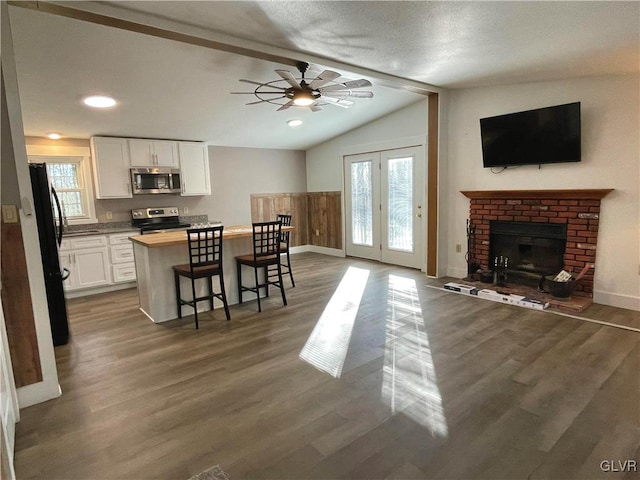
432 185
18 309
591 194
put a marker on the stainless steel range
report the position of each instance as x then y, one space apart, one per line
157 219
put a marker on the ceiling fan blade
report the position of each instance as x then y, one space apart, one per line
315 108
286 105
324 78
351 93
347 85
262 101
340 102
288 76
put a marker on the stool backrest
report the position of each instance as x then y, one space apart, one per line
266 238
286 221
205 246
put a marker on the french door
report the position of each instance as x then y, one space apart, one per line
384 194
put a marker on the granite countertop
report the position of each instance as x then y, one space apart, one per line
100 231
107 228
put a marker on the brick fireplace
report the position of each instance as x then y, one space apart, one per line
577 212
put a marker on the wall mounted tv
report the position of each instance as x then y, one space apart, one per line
532 137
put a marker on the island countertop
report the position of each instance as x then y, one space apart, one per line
179 237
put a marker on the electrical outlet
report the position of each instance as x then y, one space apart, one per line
109 215
185 210
458 248
317 233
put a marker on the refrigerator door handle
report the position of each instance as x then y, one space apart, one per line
62 219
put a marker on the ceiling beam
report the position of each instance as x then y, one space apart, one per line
102 13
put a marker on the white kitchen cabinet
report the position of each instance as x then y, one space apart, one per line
87 261
153 153
194 168
123 267
124 273
98 263
111 167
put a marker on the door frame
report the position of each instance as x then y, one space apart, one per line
418 141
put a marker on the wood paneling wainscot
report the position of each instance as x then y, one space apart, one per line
312 212
325 220
18 309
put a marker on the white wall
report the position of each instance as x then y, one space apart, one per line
324 161
236 173
610 159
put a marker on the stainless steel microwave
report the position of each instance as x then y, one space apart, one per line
154 180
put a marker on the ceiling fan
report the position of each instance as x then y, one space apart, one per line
322 90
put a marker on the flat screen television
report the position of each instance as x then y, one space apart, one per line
532 137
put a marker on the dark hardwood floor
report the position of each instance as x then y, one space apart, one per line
398 381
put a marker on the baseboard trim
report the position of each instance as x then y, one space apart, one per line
37 393
628 302
335 252
97 290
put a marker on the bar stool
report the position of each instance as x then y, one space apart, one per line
284 245
265 256
205 261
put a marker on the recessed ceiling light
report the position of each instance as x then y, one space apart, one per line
54 135
99 101
294 123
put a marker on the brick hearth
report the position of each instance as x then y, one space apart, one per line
578 209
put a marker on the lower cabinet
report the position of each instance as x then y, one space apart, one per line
123 267
87 261
97 261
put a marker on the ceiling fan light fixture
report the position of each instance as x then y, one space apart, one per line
294 122
303 99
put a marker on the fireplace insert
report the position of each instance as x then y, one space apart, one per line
534 249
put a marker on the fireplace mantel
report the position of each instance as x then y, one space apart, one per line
587 194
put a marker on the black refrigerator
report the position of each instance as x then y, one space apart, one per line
50 229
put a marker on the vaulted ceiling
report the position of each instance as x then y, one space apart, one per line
170 89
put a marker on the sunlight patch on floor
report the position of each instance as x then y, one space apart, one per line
327 346
409 383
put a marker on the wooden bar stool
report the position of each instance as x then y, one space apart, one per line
284 245
266 257
205 261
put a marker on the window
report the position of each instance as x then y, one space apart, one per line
66 178
69 173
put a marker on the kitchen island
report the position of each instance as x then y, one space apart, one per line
155 254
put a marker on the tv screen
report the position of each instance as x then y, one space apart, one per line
533 137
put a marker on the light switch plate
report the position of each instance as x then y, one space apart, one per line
9 214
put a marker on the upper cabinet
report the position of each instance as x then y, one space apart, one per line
111 167
153 153
194 168
112 159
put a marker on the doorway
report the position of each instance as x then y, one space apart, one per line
384 199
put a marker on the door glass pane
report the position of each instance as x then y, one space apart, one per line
400 227
362 203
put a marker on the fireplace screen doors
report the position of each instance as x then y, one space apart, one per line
384 194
